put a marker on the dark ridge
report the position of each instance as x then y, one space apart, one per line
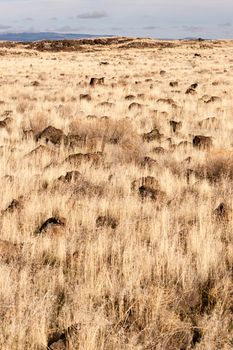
27 37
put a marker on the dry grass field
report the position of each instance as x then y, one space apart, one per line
116 196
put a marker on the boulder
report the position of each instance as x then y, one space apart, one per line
96 81
107 221
202 142
52 226
51 134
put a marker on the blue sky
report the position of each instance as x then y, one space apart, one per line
154 18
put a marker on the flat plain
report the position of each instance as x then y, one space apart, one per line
116 195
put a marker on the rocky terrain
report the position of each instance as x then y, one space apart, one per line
116 195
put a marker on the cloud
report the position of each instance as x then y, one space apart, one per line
3 26
67 29
226 24
151 27
192 29
93 15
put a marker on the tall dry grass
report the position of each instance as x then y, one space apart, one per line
156 271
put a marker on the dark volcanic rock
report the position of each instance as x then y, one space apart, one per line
53 135
71 177
173 83
148 162
135 105
58 345
222 212
213 99
77 158
169 101
152 135
9 251
107 221
14 205
175 126
96 81
5 123
203 142
150 193
130 97
53 224
148 181
158 150
85 97
148 188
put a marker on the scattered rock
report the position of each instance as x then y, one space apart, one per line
148 188
7 113
169 101
173 83
190 91
197 336
162 73
35 83
204 98
91 116
150 193
39 151
53 135
85 97
9 178
105 104
222 212
141 95
204 142
58 345
130 97
107 221
75 184
213 99
175 126
194 86
187 160
135 105
77 158
74 140
52 226
71 177
9 251
148 181
60 340
15 204
148 162
5 123
152 135
189 173
96 81
158 150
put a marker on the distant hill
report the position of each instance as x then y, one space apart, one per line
44 36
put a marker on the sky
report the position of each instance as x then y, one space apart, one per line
141 18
